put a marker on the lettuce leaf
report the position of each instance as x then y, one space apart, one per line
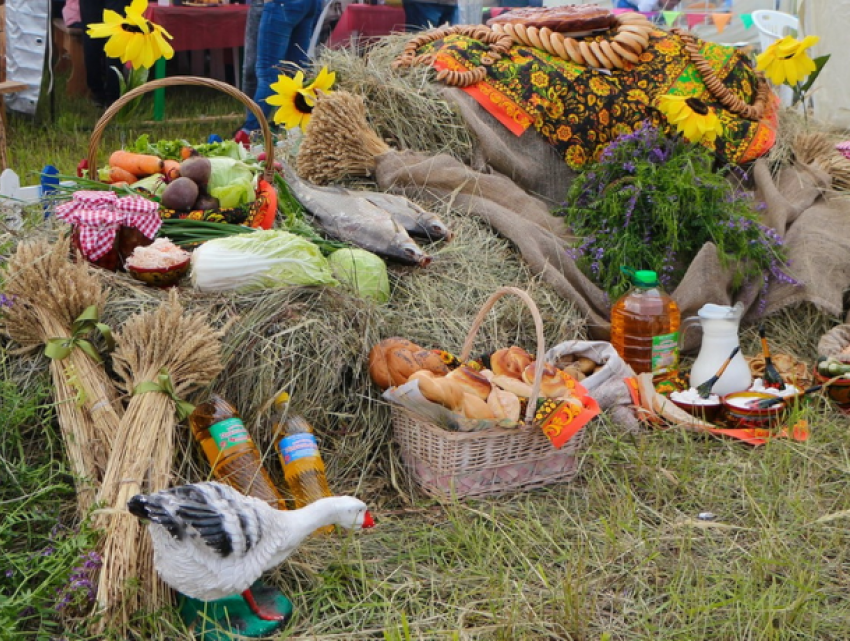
232 181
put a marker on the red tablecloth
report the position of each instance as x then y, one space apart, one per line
196 28
366 21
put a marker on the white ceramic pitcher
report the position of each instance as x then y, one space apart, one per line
720 324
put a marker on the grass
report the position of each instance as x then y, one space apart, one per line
61 136
620 553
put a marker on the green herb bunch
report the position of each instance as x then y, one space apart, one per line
652 202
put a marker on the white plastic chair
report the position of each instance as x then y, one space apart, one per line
773 25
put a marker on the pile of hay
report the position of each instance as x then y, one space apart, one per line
314 342
404 107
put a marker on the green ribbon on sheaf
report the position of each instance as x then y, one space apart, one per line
59 348
165 385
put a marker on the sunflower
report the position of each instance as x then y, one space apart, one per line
693 118
786 61
132 38
296 101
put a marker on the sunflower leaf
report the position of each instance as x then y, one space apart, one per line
819 64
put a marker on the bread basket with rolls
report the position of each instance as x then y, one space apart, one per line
464 430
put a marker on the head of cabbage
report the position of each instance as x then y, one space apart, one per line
363 272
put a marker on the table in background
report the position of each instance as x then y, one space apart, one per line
195 29
360 23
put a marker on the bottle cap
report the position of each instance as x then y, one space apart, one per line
645 278
281 399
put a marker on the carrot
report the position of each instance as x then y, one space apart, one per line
117 174
171 169
140 165
187 152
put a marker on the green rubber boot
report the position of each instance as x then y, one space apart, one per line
230 617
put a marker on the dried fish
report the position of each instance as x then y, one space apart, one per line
354 219
416 220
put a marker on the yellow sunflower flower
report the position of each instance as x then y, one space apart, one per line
786 60
132 38
296 101
323 82
694 119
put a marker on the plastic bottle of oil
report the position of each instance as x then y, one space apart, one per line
645 327
302 463
232 453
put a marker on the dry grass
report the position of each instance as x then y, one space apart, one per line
404 106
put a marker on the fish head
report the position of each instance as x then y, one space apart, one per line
406 251
436 230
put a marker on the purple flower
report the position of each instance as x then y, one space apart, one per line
80 581
5 301
10 574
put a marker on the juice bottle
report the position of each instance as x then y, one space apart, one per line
302 463
234 457
645 327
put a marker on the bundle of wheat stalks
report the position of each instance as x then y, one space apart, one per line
338 141
816 148
159 357
50 293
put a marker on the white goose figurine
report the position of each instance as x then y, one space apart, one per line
210 541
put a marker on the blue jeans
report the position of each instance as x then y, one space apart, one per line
249 62
284 36
424 15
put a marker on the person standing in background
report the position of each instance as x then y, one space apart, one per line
249 62
71 14
419 16
100 78
286 27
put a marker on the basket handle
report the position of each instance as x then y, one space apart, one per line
230 90
538 327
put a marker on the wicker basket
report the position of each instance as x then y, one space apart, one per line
262 212
491 461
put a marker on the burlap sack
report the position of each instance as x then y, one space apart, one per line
836 343
816 230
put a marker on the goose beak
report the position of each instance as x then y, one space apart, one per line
368 521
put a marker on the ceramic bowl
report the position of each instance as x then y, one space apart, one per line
160 277
741 414
838 391
704 411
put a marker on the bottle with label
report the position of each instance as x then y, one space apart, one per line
302 463
645 327
230 450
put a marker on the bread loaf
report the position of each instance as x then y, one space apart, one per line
510 384
393 360
510 361
504 404
430 360
474 406
471 381
438 390
552 384
564 19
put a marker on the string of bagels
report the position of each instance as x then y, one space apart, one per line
631 34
